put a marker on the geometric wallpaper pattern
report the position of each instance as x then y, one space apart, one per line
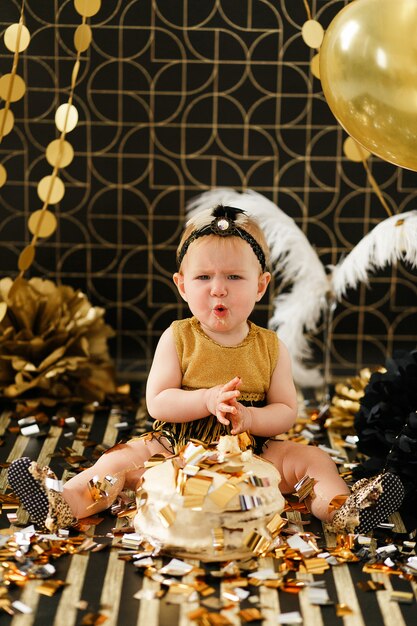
173 99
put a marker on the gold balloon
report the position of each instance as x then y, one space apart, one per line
368 70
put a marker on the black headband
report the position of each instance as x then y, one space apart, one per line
224 224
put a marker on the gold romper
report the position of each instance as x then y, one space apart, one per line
206 363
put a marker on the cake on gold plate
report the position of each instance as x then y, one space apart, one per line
212 503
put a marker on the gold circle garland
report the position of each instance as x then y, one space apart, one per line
42 222
59 153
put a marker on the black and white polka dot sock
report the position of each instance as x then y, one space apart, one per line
387 503
30 492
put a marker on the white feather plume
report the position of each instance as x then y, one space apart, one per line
394 239
295 259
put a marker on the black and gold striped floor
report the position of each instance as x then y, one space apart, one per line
102 586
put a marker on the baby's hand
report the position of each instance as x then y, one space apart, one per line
221 400
241 419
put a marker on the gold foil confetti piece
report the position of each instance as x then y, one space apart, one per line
218 538
345 541
94 489
193 502
93 619
197 614
304 488
337 502
244 440
87 545
6 606
404 597
257 543
216 619
191 470
343 609
314 566
181 589
203 588
237 581
197 485
222 496
371 568
250 615
276 524
370 585
213 603
50 587
167 516
181 480
236 479
232 468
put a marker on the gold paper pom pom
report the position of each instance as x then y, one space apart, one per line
53 344
346 401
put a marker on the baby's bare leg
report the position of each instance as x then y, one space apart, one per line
295 460
124 463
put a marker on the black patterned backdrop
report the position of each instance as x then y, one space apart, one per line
175 97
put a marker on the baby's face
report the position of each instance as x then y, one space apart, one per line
221 280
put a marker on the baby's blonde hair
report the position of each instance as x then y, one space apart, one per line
247 223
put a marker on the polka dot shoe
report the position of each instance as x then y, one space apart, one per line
370 504
46 507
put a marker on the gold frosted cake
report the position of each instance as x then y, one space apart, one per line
211 503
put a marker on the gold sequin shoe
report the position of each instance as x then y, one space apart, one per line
46 506
370 503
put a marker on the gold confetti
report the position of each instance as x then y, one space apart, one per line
405 597
276 524
50 587
167 516
222 496
304 488
370 585
250 615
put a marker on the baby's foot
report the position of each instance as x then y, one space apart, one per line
370 504
46 507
